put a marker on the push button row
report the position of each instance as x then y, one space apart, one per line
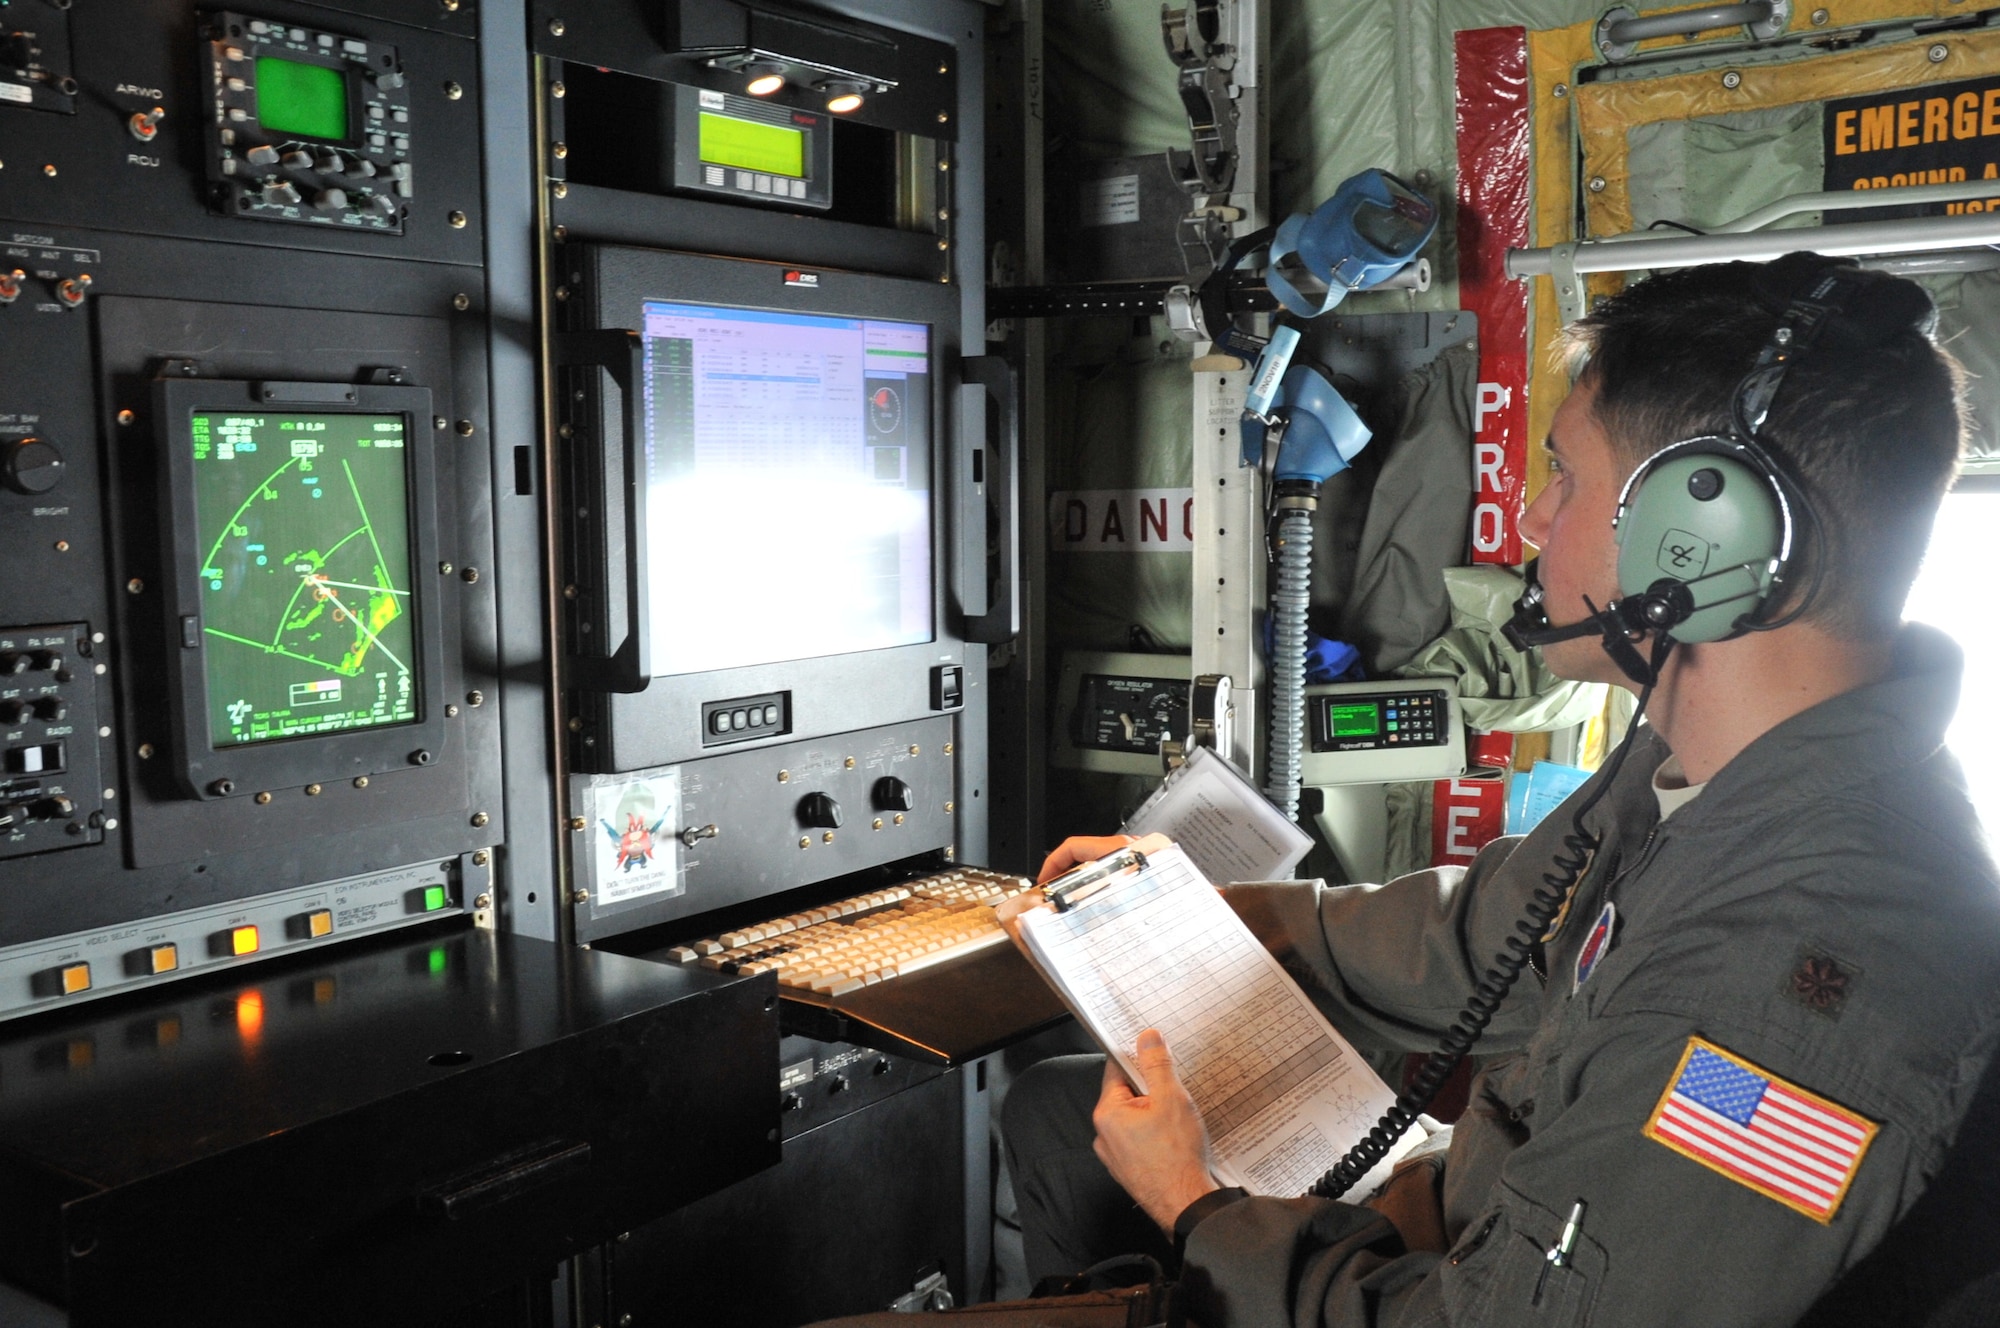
746 717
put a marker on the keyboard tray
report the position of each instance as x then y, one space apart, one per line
951 1013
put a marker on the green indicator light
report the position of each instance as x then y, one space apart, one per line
302 99
750 146
1354 721
433 901
438 958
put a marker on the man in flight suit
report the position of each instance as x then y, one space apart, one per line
1746 1043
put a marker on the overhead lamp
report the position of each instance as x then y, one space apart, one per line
842 94
764 77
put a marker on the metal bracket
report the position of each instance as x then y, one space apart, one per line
1569 284
1211 713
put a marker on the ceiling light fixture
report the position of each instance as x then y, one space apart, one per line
842 94
764 77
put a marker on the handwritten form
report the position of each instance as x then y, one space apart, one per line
1230 831
1282 1094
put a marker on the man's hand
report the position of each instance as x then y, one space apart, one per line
1155 1145
1079 848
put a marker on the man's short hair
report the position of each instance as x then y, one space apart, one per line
1872 437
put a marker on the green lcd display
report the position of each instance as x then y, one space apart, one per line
304 527
1363 720
750 146
297 98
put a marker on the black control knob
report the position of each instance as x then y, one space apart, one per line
45 661
12 712
331 200
13 663
32 466
57 808
51 710
893 795
792 1102
819 810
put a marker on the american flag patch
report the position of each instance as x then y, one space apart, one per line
1753 1127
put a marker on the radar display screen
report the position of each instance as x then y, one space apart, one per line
303 528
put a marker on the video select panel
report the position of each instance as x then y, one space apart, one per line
789 460
303 646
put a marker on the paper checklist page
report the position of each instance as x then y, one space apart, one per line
1282 1094
1228 829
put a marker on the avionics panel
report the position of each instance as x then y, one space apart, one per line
292 533
1377 732
307 126
747 150
763 518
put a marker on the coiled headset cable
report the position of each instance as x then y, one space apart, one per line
1571 860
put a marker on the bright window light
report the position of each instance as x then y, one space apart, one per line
1952 593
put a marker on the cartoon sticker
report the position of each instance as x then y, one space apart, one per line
635 837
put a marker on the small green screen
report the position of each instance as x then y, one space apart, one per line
750 146
306 614
1355 721
302 99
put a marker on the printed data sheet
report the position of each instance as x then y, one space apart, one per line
1283 1095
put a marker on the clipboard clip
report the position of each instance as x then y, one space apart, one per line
1081 883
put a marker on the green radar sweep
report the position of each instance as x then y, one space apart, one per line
307 619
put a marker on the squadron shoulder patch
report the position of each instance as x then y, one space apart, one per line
1760 1131
1594 945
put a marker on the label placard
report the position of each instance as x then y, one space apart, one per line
1941 134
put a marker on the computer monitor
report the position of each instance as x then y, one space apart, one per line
775 528
304 647
789 459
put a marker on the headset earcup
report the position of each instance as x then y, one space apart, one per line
1706 519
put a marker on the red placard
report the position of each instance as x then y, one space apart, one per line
1466 816
1493 217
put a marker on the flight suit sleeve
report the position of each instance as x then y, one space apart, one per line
1393 964
1664 1239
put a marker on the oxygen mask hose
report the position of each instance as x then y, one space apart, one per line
1290 597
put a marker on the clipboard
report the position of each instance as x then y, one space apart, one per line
1138 939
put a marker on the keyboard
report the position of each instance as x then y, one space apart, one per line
851 944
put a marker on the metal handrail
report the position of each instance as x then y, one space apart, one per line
1630 31
1837 199
1633 254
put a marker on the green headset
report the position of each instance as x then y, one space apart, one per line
1708 527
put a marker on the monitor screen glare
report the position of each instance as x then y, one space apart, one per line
304 533
788 472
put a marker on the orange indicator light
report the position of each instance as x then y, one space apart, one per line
243 940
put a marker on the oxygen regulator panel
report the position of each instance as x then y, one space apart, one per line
244 495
